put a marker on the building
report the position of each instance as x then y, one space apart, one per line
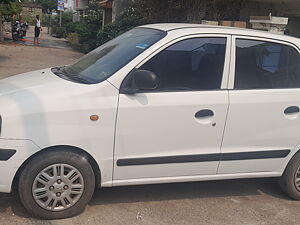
112 9
79 7
69 5
282 8
107 11
278 8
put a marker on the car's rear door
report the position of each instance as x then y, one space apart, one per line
176 129
263 117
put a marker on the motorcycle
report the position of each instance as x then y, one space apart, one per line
17 31
24 27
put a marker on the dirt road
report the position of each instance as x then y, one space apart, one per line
238 202
15 58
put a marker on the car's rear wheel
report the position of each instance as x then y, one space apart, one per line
290 180
56 185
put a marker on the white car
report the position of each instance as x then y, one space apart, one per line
160 103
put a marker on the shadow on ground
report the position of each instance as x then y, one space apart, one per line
4 58
57 43
164 192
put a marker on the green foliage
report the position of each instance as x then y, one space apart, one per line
47 4
83 35
66 18
59 32
224 9
155 11
90 35
73 39
30 18
86 34
128 20
8 8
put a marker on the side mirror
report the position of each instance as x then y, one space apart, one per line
143 80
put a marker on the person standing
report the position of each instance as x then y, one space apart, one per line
37 29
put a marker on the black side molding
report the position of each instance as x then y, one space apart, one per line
204 158
6 154
255 155
169 159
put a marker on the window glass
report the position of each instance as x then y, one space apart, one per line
107 59
193 64
266 65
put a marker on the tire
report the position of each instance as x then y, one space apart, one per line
288 180
55 198
15 37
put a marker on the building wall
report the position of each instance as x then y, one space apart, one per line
81 4
118 7
284 8
70 5
28 11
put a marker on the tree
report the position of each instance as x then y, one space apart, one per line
189 10
7 8
224 9
47 5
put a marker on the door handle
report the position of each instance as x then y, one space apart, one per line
291 110
204 113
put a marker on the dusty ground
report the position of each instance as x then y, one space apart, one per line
15 59
238 202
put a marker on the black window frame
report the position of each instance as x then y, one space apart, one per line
234 57
126 81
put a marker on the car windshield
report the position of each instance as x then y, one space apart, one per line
107 59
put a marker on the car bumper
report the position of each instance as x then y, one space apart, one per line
13 154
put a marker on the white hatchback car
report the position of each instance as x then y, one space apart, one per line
160 103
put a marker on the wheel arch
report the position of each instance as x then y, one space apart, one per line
68 148
291 158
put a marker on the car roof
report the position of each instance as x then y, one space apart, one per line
175 26
187 28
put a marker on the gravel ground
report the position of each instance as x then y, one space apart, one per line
238 202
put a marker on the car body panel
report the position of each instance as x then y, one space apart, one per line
24 149
51 111
256 120
164 125
42 110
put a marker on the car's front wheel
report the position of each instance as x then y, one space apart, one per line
290 181
56 185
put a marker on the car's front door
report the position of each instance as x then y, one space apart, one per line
263 117
176 129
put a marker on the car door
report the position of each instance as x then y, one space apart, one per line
263 118
176 129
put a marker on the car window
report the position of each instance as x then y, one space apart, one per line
107 59
266 65
192 64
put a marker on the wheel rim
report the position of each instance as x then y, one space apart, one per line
58 187
297 179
